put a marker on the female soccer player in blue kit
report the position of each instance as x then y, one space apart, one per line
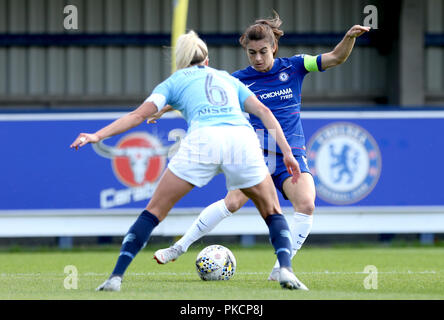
212 102
277 83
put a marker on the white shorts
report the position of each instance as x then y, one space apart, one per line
232 150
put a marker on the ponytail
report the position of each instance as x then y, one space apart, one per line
190 50
264 29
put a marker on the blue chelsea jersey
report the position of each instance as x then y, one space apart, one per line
280 90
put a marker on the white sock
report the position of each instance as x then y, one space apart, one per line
300 227
205 222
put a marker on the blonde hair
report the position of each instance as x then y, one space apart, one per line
190 50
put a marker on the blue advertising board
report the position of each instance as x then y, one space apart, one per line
377 159
356 158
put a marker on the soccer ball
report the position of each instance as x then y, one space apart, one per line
215 262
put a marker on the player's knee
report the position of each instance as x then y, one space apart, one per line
235 200
306 207
233 204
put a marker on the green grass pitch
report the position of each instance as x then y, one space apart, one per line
330 273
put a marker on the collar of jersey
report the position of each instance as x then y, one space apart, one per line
276 66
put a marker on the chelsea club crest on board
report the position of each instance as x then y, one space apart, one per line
345 162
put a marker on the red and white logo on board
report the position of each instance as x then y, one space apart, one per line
138 161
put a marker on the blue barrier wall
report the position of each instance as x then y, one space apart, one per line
357 158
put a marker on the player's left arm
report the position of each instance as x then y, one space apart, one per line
158 115
344 48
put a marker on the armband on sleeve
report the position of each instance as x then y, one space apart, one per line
158 99
312 63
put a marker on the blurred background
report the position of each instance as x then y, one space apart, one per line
56 82
119 51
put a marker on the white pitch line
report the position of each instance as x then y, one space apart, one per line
326 272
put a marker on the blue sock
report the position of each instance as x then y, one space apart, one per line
135 240
280 238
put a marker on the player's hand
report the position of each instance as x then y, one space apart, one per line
292 167
159 114
357 31
154 117
83 139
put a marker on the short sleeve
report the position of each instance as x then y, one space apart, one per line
243 93
313 63
307 63
162 94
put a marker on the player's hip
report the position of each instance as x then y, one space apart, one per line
219 144
233 151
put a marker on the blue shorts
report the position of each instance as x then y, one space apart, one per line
280 174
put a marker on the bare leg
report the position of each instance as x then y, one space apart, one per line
234 200
301 194
169 190
264 197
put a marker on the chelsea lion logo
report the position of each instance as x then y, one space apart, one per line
345 162
283 76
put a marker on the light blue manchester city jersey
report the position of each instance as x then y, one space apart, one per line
205 97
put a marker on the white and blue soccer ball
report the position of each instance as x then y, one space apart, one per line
215 262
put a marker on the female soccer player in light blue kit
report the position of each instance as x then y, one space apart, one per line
277 83
212 103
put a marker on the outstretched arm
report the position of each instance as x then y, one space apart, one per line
128 121
343 49
158 115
